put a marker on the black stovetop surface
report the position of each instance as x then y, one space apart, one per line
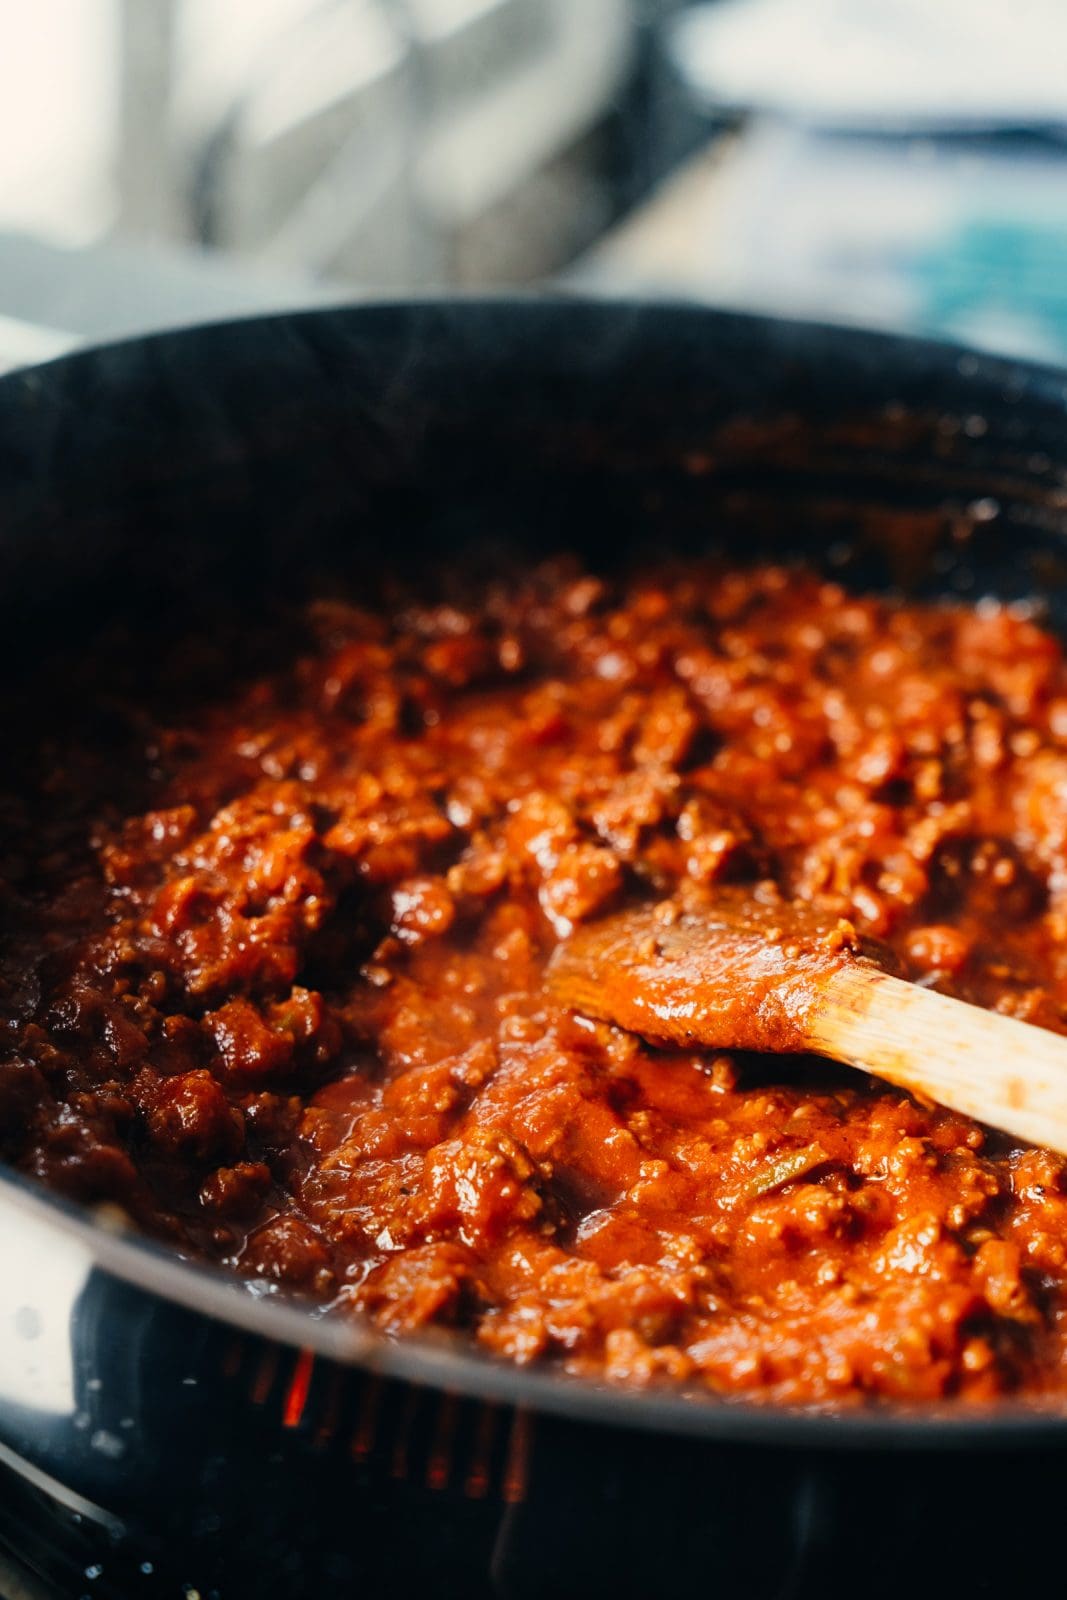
556 1515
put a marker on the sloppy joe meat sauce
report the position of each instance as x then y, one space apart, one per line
272 956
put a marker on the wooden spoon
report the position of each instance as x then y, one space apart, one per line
755 974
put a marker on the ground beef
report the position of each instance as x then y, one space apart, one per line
272 957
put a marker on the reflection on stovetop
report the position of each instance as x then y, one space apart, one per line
428 1494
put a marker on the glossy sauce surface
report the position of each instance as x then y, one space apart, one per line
272 954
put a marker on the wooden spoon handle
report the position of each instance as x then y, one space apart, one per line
1008 1074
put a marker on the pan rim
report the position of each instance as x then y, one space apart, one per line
447 1363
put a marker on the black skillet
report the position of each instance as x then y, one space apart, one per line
169 1427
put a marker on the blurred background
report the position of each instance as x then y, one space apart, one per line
901 163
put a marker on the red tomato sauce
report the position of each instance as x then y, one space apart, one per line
272 956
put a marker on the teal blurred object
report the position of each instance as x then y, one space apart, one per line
962 236
997 280
902 163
